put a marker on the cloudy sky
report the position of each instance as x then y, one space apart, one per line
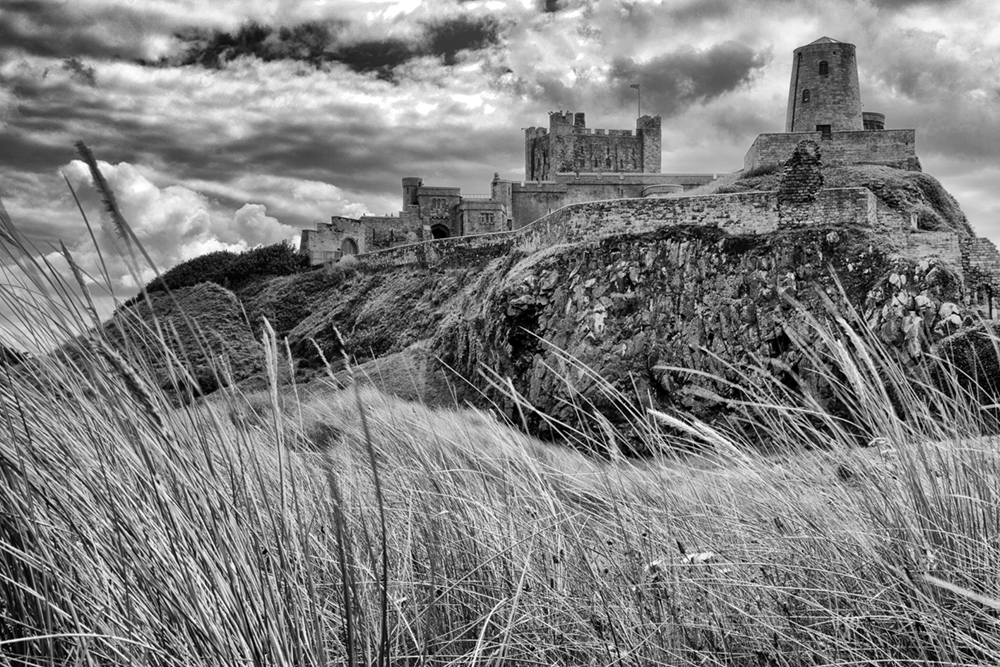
231 123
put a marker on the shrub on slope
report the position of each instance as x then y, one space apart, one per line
230 269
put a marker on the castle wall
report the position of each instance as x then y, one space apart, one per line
326 242
738 213
894 148
459 251
389 231
532 200
482 216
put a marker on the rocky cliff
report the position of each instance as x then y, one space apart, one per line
576 326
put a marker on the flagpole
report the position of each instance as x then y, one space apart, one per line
638 99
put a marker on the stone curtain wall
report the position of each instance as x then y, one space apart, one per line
739 214
461 250
894 148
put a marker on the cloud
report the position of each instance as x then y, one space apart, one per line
317 42
904 4
677 80
465 33
80 29
172 223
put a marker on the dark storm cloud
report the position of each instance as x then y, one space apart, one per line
44 28
448 38
379 56
550 6
674 81
319 42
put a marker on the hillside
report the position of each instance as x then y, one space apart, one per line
620 321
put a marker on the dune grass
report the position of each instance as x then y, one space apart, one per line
343 526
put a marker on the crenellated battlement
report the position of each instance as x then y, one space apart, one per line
570 146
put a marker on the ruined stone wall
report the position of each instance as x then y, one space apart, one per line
981 266
894 148
980 253
943 245
462 250
740 213
530 201
326 242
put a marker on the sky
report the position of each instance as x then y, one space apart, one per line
233 123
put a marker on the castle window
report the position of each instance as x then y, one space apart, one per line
806 95
824 68
438 204
486 218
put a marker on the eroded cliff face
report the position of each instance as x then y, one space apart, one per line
631 311
603 321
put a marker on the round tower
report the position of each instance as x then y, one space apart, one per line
824 94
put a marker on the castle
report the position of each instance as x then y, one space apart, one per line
566 163
581 183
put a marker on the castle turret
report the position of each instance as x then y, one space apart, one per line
873 120
649 131
411 185
824 94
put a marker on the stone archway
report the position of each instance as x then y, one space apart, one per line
440 231
349 247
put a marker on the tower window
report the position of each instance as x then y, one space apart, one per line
806 95
824 68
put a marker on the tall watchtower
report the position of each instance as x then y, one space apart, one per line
824 94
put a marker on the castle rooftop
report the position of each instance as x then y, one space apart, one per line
825 40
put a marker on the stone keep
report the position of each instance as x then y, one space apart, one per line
824 94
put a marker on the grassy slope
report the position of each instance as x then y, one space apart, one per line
220 346
224 533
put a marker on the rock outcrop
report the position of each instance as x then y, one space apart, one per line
618 317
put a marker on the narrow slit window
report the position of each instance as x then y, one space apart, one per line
824 68
806 95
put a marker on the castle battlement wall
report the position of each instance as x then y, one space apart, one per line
570 146
892 148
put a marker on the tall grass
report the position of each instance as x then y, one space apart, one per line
315 526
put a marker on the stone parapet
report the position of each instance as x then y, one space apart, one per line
893 148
